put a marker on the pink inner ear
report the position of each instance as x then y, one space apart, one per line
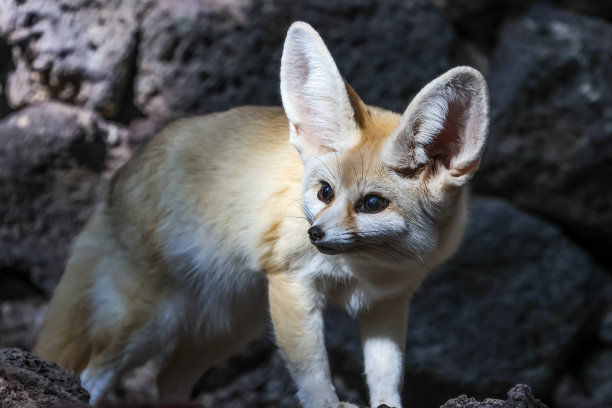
448 143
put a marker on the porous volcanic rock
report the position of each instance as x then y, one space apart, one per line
550 145
27 381
520 396
54 162
388 50
75 51
204 56
508 308
5 68
20 320
596 375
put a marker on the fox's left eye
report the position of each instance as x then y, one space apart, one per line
326 193
372 204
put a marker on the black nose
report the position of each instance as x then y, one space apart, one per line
315 234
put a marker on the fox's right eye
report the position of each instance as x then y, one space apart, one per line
326 193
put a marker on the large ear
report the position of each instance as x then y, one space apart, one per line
445 125
314 95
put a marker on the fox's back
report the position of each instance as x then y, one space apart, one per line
207 183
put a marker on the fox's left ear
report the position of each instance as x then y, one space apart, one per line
315 97
445 125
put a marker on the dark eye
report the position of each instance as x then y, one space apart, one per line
326 193
373 204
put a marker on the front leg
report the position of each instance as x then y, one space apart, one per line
296 313
383 334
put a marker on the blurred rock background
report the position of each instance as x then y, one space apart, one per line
527 299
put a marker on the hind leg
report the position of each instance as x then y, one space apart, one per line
191 358
180 372
186 365
107 367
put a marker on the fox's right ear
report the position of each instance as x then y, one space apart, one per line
445 126
314 95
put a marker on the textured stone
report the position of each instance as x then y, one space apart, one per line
29 382
218 54
507 308
596 375
20 321
388 50
53 165
519 396
5 67
211 56
480 21
571 394
550 147
75 51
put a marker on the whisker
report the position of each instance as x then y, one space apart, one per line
362 181
328 169
336 155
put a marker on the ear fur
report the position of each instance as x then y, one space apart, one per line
445 125
314 95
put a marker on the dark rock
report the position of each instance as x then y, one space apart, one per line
550 147
463 401
5 68
207 56
388 50
215 55
594 8
596 375
570 394
345 356
605 328
479 21
29 382
507 308
519 396
54 162
20 321
71 50
267 385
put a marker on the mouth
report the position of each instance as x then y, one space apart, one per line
328 251
333 250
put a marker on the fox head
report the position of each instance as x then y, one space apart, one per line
377 183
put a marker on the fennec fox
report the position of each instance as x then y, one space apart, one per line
230 216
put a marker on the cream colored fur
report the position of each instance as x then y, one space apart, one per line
206 232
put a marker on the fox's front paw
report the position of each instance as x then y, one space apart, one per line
345 405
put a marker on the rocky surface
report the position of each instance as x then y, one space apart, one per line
20 319
29 382
53 162
550 147
206 67
508 308
479 21
596 374
73 51
519 396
